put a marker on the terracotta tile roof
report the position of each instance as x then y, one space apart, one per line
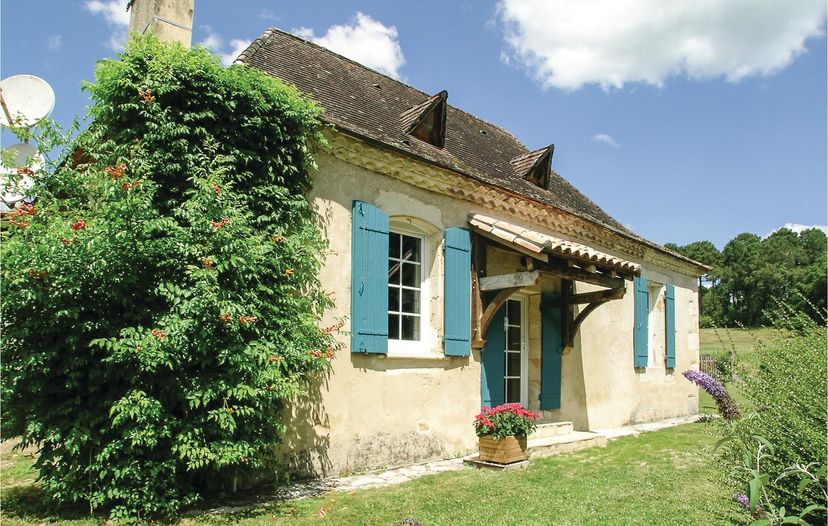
538 244
369 104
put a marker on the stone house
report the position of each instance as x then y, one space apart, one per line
469 273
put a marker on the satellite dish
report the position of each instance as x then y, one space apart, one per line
26 99
16 180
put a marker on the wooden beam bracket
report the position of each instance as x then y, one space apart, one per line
505 281
593 301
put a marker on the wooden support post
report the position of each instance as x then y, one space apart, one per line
478 261
493 306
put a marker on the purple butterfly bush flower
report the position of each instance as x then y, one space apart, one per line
743 501
727 406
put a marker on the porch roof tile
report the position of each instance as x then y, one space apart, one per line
542 244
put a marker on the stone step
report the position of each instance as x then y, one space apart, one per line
554 445
551 429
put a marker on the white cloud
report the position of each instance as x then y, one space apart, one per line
54 42
568 44
212 41
366 41
798 228
116 16
216 44
606 139
236 47
267 14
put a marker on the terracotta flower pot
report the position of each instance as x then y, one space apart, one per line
502 450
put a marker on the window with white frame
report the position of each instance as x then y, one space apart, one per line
406 280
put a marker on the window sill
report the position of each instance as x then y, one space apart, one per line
416 356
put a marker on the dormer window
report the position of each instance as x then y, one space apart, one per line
535 166
427 121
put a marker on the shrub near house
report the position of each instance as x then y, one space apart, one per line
157 310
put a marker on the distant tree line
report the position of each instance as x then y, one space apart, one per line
751 274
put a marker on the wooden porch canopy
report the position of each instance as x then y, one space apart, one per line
551 256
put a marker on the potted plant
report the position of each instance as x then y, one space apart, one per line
502 432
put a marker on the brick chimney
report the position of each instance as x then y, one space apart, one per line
169 20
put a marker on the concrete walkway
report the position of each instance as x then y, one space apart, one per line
399 475
637 429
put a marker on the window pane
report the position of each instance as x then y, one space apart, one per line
410 301
394 326
411 275
512 391
394 299
513 312
394 245
410 248
410 328
513 339
393 272
512 364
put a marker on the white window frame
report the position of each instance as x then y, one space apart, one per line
657 337
421 346
523 300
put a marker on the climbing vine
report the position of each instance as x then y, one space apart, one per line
160 298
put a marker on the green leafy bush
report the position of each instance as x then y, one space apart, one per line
161 302
787 392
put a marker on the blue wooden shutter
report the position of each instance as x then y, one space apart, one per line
457 293
369 279
670 325
492 389
551 351
641 329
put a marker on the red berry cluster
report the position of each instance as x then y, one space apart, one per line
127 185
225 319
216 189
116 172
158 333
248 319
67 241
80 224
207 263
25 171
277 239
219 224
146 95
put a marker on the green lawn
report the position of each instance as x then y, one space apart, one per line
713 341
656 478
745 341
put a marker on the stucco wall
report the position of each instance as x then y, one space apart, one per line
616 393
374 411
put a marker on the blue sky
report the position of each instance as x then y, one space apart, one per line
683 120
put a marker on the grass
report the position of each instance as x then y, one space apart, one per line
655 478
745 342
715 341
664 477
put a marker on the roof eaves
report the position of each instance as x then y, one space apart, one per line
466 172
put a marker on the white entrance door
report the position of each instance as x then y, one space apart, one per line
515 353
